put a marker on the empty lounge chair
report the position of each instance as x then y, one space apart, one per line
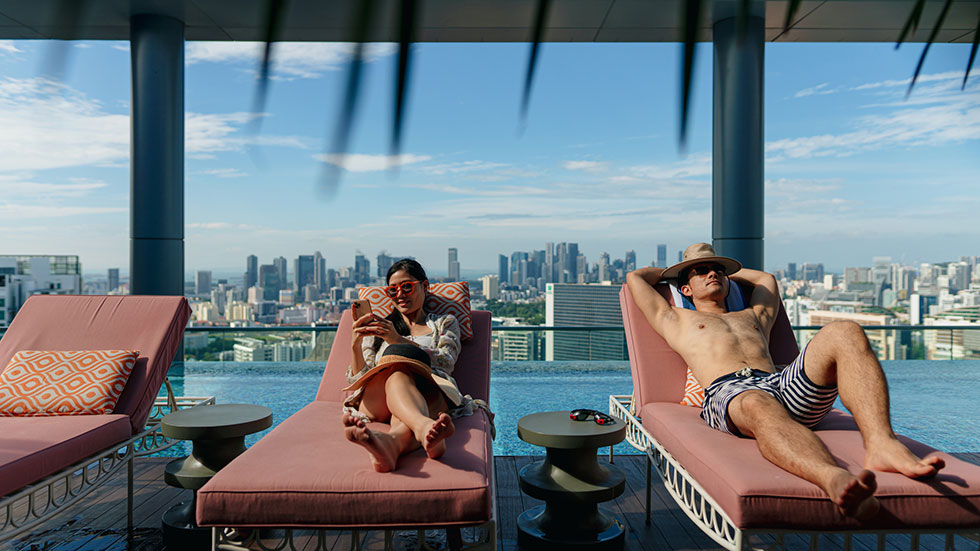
305 474
43 458
730 491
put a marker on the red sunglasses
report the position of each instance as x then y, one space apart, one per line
406 287
597 416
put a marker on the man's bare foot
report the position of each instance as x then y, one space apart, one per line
434 440
382 447
892 456
854 495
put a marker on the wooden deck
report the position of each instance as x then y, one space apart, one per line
99 521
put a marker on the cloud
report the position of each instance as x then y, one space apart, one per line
358 162
224 173
587 166
461 167
21 187
818 90
948 75
290 60
8 47
10 211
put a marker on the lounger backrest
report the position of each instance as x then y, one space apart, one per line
472 371
659 373
153 325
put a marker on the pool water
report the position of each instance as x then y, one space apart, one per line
935 402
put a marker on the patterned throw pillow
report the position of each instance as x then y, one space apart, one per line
693 393
81 382
444 298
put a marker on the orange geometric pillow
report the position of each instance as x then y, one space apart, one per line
693 393
444 298
80 382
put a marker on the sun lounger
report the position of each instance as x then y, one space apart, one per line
49 463
306 475
731 492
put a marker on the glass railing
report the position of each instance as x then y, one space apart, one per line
560 343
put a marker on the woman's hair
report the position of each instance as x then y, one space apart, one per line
413 269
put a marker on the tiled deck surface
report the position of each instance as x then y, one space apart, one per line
99 521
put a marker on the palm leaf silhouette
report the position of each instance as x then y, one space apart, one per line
973 53
539 25
273 24
406 36
932 38
692 19
912 23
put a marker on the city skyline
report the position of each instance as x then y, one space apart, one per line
853 169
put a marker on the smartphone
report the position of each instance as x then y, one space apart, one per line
360 308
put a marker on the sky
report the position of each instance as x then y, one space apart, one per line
853 168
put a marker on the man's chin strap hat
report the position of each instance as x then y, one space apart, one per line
700 253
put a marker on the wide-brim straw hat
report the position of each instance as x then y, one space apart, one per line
700 253
417 361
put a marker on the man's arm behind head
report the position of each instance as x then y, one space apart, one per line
655 308
764 300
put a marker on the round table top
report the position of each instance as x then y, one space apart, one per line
217 421
554 429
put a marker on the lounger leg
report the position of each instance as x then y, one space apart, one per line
129 496
847 542
454 538
648 489
914 542
881 542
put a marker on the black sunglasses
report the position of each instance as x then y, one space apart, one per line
705 269
586 414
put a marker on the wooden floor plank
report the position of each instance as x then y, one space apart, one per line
98 522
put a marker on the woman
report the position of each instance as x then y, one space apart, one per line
414 404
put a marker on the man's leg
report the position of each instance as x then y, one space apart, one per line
840 354
793 447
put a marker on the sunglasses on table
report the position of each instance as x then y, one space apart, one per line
406 287
705 269
587 414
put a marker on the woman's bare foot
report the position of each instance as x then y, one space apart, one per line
434 439
892 456
854 495
382 447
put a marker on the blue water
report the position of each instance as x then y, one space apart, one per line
932 401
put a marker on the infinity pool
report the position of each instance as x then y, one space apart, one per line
932 401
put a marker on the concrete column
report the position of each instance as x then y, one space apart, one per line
738 206
157 156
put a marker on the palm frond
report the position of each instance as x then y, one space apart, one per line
692 19
348 106
932 38
273 24
406 36
791 10
973 53
540 19
912 23
65 21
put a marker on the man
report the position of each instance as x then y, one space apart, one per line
745 395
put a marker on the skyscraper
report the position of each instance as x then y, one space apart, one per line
502 268
384 262
280 264
269 282
662 256
362 269
113 282
303 272
202 282
251 270
630 260
320 272
453 264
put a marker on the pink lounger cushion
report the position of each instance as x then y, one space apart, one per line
306 474
151 324
34 447
757 494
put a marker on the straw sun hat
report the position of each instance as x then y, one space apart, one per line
700 253
416 361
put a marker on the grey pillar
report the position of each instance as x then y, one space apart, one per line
157 156
737 150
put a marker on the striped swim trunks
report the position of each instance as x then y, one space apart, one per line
806 401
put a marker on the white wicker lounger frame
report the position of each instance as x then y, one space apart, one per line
24 510
484 536
712 519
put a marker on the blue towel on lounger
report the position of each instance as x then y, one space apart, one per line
734 301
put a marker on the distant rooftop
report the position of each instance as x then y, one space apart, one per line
482 20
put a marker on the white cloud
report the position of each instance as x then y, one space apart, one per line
7 46
358 162
462 167
9 211
818 90
224 173
289 59
948 75
587 166
24 187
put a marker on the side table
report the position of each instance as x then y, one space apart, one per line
218 435
571 482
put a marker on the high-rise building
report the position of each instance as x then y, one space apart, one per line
491 287
604 268
791 271
269 282
202 282
362 269
280 264
320 272
453 264
23 276
113 280
630 260
384 262
662 256
303 272
583 304
251 270
504 273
